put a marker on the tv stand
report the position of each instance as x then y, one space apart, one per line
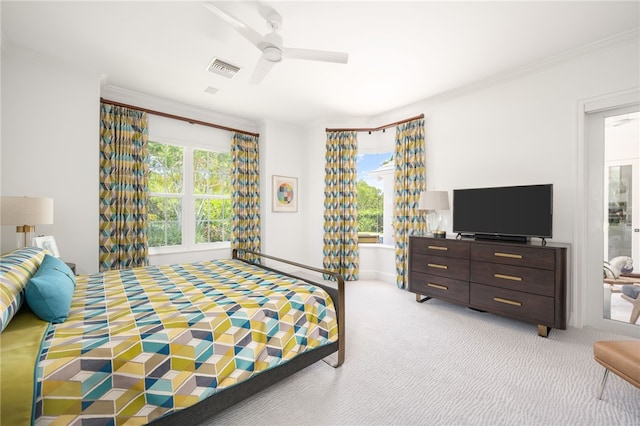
521 281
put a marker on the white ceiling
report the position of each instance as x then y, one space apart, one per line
399 52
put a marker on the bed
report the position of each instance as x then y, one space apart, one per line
166 345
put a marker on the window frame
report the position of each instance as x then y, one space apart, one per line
188 196
169 131
373 144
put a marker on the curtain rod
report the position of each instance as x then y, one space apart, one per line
177 117
376 129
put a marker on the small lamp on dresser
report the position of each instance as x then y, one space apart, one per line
434 202
21 211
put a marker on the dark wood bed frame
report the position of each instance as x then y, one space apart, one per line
219 401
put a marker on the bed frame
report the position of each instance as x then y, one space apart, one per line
218 402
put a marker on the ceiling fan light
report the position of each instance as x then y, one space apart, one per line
272 54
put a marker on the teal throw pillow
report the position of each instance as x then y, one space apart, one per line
50 290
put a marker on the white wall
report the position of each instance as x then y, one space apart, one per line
50 149
282 153
521 129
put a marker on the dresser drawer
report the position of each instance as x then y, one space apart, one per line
439 287
524 306
449 267
537 281
439 247
513 254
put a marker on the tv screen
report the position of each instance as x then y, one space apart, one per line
520 211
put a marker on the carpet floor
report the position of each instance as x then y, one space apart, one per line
436 363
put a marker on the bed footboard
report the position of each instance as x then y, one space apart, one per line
336 294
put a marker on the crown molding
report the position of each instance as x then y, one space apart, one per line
621 39
119 94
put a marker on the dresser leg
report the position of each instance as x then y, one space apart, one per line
543 330
421 299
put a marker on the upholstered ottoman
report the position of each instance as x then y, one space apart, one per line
620 356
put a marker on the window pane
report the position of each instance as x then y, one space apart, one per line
165 215
213 220
165 168
370 194
211 172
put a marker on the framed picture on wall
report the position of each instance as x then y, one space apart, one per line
285 194
48 242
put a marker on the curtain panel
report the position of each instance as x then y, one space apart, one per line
124 193
340 242
245 198
409 181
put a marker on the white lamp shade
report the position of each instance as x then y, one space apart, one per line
26 211
433 200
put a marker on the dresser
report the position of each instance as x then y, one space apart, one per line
526 282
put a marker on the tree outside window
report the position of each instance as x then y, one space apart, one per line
370 193
202 203
166 169
212 193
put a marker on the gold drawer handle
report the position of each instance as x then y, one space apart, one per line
507 301
509 255
438 248
435 265
508 277
438 286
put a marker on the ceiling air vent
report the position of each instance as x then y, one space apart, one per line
223 68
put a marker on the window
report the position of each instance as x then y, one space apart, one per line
189 195
212 194
375 174
165 195
189 186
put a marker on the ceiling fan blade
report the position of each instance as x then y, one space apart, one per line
247 32
261 70
315 55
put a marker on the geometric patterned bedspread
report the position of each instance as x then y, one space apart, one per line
143 343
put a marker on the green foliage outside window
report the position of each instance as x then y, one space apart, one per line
165 221
211 173
211 188
213 220
165 168
370 208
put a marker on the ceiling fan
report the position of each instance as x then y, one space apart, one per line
271 44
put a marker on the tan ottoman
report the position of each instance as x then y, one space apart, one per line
620 356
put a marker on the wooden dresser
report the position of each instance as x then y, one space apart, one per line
522 281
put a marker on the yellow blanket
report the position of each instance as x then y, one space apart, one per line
19 348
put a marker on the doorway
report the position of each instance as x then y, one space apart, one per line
613 231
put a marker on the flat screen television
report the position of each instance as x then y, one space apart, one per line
514 213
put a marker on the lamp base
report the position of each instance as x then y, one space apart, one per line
439 234
25 235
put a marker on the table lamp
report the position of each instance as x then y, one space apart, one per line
434 202
21 211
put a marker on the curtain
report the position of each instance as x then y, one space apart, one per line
245 221
124 194
340 242
409 181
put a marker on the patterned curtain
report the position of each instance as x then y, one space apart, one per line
409 181
245 180
340 246
124 193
